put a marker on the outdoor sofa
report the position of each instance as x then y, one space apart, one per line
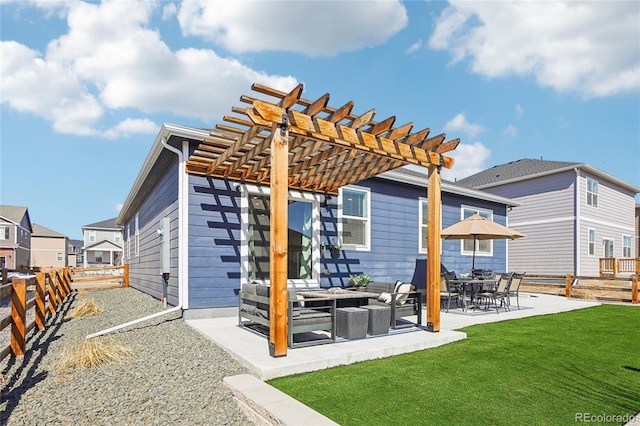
302 321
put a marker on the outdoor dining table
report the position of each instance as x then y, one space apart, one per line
471 287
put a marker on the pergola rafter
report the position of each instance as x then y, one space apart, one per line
288 141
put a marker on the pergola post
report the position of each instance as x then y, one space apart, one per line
278 239
434 220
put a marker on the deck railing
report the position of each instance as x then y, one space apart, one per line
614 266
51 290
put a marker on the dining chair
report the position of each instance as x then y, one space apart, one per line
499 292
514 288
447 290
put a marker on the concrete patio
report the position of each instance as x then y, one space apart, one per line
252 351
264 404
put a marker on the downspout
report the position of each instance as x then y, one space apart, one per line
181 247
576 203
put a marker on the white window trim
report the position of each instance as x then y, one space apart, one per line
589 242
421 250
595 195
478 253
92 234
630 246
250 189
356 247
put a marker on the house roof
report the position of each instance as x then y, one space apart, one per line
15 214
416 177
105 224
102 245
528 168
327 147
41 231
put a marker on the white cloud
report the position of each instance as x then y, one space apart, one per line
511 130
110 60
459 123
131 127
310 27
119 207
469 159
592 48
414 47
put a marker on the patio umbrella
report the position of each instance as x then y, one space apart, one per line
475 228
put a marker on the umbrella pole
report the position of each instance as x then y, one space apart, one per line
473 261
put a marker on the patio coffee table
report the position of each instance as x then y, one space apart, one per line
357 297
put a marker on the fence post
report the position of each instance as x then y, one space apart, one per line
18 316
53 300
634 290
567 286
126 275
5 275
40 299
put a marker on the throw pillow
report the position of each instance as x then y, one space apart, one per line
401 299
384 297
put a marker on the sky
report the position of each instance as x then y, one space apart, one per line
86 86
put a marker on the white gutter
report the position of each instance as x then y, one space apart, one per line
182 259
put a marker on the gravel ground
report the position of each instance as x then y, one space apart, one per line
174 378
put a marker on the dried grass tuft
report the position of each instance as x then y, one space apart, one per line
82 292
86 308
93 352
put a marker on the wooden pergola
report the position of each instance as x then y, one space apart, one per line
291 142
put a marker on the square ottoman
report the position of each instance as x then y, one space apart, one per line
379 319
351 323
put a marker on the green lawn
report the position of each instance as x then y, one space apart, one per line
534 371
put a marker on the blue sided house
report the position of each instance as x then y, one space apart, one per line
195 236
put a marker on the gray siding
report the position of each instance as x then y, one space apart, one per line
145 269
612 219
547 217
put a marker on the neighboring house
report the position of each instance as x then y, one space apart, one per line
49 248
214 233
15 237
572 213
638 230
74 256
102 244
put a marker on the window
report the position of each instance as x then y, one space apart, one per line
4 232
626 246
97 257
300 238
592 192
483 247
422 244
59 256
356 227
117 237
592 242
137 237
92 236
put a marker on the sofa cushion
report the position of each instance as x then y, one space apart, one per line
380 287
